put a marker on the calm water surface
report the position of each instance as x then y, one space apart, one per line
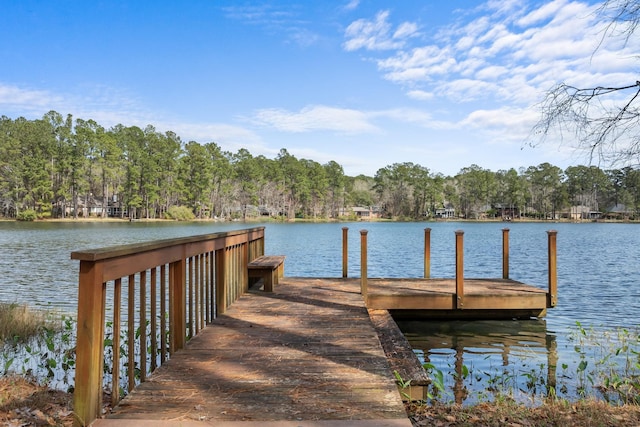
598 283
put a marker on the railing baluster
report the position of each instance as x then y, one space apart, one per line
196 288
208 287
143 325
153 316
131 336
115 368
163 313
190 304
202 291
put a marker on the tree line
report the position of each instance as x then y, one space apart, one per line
59 166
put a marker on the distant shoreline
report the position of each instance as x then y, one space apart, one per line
310 220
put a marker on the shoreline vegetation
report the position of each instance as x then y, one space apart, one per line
323 220
30 398
76 167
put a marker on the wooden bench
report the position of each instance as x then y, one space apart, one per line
270 268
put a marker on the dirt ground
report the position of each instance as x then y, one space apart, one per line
23 403
583 413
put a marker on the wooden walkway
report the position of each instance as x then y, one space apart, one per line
305 355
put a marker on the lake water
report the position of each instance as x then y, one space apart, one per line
598 285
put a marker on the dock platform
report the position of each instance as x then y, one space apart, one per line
437 298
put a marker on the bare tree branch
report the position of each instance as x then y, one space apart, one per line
605 121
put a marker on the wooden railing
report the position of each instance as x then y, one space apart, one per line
552 294
173 289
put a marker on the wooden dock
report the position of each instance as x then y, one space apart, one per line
307 353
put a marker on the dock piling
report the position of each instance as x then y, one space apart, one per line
459 269
345 251
427 253
363 263
552 296
505 253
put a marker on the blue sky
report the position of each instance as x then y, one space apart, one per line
444 84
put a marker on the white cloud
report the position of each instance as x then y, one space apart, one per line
377 34
420 95
507 52
544 13
352 5
316 118
27 101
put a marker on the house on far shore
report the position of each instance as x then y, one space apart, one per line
506 212
576 213
445 212
363 213
617 211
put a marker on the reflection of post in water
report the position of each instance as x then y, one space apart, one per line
552 361
469 338
460 392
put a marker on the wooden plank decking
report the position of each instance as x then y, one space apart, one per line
306 353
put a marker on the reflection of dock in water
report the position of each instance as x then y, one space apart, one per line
513 340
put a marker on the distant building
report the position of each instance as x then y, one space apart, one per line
618 211
363 213
445 212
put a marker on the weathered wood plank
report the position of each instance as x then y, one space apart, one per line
401 357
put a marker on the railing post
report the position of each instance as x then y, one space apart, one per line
459 269
87 404
245 267
427 253
505 253
178 306
345 251
552 295
363 263
221 276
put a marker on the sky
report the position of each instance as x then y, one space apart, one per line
365 83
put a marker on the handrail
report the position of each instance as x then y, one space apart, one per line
191 279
